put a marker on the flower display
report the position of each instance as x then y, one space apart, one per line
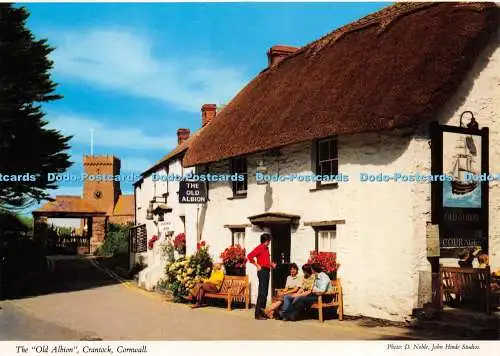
234 256
185 272
152 241
327 261
180 243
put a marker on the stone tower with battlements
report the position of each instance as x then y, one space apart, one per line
103 194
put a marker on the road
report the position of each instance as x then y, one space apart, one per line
79 301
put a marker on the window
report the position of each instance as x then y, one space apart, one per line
326 239
327 161
239 166
238 237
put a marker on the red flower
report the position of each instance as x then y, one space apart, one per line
327 260
234 256
152 241
200 245
180 241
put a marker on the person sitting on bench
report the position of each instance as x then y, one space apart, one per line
467 258
210 285
293 285
322 284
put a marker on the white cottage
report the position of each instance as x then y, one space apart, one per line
158 212
358 100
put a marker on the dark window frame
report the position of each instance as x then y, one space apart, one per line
332 159
318 229
236 230
237 165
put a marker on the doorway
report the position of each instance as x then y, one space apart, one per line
280 253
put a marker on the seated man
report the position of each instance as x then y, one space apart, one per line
293 283
210 285
322 284
466 258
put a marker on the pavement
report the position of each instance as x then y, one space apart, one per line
82 301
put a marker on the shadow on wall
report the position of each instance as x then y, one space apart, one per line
202 213
465 88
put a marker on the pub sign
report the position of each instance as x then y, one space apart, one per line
460 196
192 192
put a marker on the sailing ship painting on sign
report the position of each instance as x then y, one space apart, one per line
462 164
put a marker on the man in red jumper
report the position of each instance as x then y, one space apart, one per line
261 258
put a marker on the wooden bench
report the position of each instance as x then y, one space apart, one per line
462 285
233 289
331 299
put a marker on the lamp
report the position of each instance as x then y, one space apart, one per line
262 169
472 123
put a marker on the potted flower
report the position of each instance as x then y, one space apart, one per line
327 261
234 259
180 244
152 241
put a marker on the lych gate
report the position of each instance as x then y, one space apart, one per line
92 230
101 203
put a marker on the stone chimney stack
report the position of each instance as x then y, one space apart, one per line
208 112
182 135
277 53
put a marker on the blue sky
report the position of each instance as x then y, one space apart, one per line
138 72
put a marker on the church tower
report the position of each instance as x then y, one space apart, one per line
103 194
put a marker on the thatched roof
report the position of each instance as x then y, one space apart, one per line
394 68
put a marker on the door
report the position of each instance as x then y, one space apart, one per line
280 254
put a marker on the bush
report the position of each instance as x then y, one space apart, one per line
117 240
185 272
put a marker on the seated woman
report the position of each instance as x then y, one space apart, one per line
293 283
322 284
210 285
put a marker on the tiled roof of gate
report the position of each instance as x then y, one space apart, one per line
68 204
394 68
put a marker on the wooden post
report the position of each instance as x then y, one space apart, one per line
320 308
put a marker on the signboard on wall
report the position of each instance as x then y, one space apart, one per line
460 196
192 192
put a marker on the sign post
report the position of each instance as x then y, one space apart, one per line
460 197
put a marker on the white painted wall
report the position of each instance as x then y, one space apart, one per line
150 276
381 247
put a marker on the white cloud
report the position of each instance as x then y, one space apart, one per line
106 136
122 61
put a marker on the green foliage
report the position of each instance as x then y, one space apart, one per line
185 272
117 240
26 220
26 145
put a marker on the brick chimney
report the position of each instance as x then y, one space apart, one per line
182 135
208 112
277 53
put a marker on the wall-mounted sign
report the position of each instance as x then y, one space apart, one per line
460 200
432 234
165 225
192 192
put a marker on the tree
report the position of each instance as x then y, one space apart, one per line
26 145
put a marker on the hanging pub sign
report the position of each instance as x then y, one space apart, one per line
460 195
192 192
